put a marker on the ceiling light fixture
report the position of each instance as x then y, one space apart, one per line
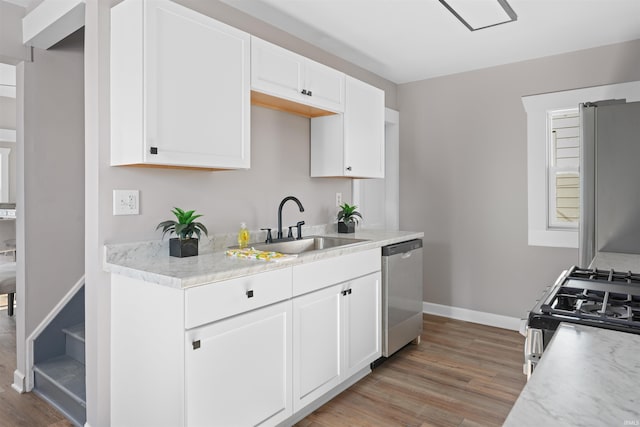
480 14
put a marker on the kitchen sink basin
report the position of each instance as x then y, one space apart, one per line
307 244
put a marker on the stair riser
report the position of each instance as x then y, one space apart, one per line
75 349
59 399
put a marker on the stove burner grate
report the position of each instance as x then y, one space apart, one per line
603 296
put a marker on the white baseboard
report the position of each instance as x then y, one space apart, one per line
490 319
18 382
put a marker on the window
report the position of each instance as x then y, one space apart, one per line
563 164
552 161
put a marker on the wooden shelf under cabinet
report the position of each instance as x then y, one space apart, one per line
263 100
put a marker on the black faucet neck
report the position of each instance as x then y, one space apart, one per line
285 200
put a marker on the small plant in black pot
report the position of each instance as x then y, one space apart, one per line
348 217
185 227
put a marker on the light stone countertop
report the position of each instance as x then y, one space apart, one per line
617 261
587 377
150 261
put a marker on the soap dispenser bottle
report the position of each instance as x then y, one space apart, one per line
243 236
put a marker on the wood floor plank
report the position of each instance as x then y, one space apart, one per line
462 374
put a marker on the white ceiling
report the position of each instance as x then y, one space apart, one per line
23 3
409 40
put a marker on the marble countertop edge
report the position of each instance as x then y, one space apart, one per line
150 260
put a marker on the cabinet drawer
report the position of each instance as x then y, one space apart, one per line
208 303
319 274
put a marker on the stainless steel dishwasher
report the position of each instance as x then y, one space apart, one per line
401 295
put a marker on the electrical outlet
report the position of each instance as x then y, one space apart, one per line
338 199
126 202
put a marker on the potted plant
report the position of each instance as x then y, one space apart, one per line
348 217
185 227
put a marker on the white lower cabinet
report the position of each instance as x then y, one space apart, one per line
238 371
317 338
362 323
249 351
336 334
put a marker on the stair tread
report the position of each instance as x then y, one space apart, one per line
67 373
76 331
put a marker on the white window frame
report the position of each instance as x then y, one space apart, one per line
537 108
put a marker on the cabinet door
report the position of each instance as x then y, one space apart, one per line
326 86
238 371
363 322
363 130
276 71
317 326
197 89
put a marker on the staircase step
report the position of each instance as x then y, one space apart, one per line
61 382
74 342
75 331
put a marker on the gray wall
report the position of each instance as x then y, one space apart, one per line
12 51
8 109
53 176
463 176
7 112
279 167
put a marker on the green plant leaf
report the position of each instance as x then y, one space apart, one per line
349 214
185 226
200 226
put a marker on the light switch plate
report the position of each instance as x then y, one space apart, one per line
338 199
126 202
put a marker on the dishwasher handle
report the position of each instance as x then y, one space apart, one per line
402 247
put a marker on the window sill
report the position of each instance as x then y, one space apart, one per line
554 238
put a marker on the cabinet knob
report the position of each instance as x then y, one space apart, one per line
196 344
304 91
309 92
349 168
349 292
344 293
250 294
153 150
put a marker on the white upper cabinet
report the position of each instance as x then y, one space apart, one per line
283 74
351 144
180 88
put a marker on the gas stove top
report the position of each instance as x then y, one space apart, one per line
602 298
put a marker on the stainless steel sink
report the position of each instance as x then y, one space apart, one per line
307 244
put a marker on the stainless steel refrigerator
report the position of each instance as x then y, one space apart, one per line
609 178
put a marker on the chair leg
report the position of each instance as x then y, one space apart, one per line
10 304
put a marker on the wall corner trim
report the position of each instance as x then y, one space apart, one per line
481 317
52 21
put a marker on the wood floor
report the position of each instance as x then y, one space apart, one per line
462 374
20 409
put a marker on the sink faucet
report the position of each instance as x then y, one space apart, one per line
285 200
